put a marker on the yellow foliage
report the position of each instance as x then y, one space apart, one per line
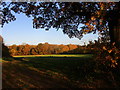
98 13
104 48
93 18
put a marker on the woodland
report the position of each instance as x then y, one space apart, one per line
100 71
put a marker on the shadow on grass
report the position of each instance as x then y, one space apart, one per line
80 71
75 68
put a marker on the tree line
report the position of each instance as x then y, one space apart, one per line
46 48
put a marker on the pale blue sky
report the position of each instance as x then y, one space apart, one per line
21 31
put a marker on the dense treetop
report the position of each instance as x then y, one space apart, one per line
74 18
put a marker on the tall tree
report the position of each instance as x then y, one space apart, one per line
69 16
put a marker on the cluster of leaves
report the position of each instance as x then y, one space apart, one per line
108 56
112 55
65 15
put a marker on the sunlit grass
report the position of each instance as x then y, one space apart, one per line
58 55
0 61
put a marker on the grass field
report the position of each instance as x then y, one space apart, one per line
58 55
52 71
65 64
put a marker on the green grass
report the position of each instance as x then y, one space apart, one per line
75 67
58 55
69 68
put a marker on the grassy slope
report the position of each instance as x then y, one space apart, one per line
53 71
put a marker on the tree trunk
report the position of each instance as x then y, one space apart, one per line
114 26
114 31
4 51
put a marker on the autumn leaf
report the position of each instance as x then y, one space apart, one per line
113 61
104 48
113 43
87 23
110 51
93 18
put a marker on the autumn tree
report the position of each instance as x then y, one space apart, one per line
71 46
26 49
33 51
41 48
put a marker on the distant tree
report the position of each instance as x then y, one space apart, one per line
54 49
26 49
20 50
40 48
33 51
13 49
71 46
13 52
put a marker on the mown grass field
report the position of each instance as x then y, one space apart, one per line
68 65
58 55
52 71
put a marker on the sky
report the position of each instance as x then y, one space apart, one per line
21 31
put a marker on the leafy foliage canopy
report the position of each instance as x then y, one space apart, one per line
74 18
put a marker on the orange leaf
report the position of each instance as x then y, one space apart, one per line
110 51
113 61
104 48
93 18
